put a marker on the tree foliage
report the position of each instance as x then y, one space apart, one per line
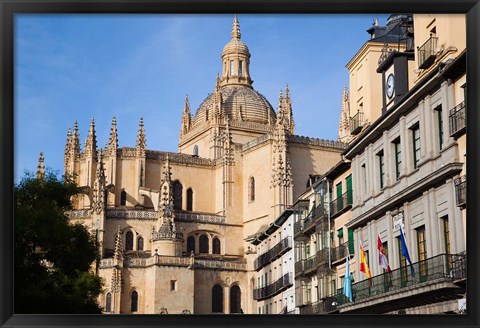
52 257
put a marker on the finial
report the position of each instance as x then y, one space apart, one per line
287 92
40 167
376 21
141 139
186 108
236 35
218 80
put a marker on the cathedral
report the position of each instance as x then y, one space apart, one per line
173 227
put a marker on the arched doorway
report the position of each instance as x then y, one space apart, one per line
217 299
235 300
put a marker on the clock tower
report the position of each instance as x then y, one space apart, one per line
394 68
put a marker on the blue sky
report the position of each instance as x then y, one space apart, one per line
75 67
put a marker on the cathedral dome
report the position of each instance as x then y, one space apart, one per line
235 46
239 103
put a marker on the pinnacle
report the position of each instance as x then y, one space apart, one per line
236 35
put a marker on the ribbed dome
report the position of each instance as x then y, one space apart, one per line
238 100
236 46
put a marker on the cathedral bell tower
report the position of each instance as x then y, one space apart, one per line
236 60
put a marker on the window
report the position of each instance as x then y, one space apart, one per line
134 302
416 145
251 189
235 300
177 195
203 244
216 246
364 178
217 299
108 303
422 252
446 234
129 241
402 264
438 109
398 157
173 285
190 245
140 243
348 182
381 167
340 236
123 198
232 72
189 199
240 64
195 150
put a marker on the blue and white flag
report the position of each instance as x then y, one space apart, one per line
347 282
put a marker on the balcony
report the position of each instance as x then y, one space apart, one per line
306 266
324 306
426 53
457 120
273 289
341 204
356 123
432 282
274 253
307 225
340 252
461 191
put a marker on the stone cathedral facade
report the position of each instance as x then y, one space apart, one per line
173 227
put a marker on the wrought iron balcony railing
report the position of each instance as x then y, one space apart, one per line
341 203
272 254
461 190
440 266
324 306
457 119
306 225
426 53
273 289
340 252
306 266
356 123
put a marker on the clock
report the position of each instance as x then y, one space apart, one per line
390 87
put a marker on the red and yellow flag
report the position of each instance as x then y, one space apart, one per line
363 263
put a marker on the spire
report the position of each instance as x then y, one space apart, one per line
76 141
344 125
288 111
91 142
98 204
118 252
116 282
236 35
68 146
186 118
141 140
40 167
217 100
280 112
113 142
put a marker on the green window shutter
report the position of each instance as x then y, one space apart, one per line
340 233
348 181
351 245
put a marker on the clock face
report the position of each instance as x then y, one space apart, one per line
390 87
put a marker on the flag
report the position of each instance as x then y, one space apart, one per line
363 263
382 258
405 251
347 282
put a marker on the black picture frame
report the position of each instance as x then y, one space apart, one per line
8 8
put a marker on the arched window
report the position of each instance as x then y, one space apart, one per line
108 302
123 198
140 243
190 244
177 195
251 189
235 300
129 241
195 150
134 302
203 244
189 199
217 299
216 246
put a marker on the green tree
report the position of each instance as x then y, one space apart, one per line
52 257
